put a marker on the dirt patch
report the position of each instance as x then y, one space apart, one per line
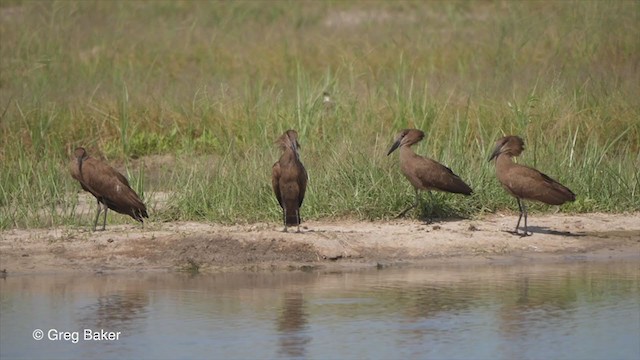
205 247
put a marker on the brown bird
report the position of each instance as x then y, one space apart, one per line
111 189
289 179
523 182
424 173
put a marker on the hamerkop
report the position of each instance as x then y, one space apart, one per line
424 173
524 182
289 179
111 189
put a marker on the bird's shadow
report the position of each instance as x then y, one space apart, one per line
439 212
441 219
544 230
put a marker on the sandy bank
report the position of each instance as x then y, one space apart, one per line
211 247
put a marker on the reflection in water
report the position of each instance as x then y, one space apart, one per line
429 302
586 310
116 311
427 310
531 302
292 322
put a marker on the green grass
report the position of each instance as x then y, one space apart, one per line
213 84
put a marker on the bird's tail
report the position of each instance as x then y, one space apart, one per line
139 214
292 217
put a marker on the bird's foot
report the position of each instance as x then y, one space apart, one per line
429 221
521 234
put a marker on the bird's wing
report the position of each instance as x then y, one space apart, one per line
120 177
275 181
302 183
105 182
434 175
529 183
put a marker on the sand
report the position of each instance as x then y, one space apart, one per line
207 247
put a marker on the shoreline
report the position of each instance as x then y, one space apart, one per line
335 245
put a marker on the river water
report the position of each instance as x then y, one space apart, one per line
587 310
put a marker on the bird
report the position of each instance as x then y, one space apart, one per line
326 101
326 97
289 179
523 182
110 188
424 173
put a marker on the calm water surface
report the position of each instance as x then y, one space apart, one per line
572 311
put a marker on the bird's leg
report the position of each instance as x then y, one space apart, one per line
284 218
526 229
520 217
523 211
95 221
415 203
298 217
431 202
104 219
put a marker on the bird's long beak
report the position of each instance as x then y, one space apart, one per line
496 152
80 161
295 146
394 147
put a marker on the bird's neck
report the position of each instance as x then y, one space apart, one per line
407 152
80 161
504 161
289 155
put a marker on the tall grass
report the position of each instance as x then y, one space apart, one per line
213 84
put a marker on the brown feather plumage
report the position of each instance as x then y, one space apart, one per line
289 179
523 182
108 186
424 173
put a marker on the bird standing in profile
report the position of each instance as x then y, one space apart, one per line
110 188
289 179
523 182
424 173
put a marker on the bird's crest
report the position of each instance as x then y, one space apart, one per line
511 145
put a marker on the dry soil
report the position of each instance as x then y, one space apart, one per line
202 247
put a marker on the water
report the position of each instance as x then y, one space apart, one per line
571 311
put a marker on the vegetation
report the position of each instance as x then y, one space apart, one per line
213 84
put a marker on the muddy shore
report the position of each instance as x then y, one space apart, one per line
202 247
